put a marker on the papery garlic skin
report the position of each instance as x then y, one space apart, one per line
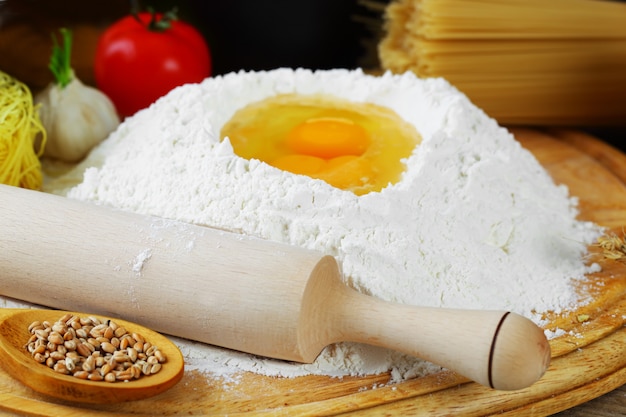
76 119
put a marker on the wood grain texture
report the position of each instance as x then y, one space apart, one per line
612 404
588 364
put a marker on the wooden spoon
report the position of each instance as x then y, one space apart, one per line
19 363
238 292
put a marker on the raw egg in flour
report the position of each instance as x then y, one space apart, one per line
358 147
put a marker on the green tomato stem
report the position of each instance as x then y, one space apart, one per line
60 59
158 23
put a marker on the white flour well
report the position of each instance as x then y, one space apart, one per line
475 222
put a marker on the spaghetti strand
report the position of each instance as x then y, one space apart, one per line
560 62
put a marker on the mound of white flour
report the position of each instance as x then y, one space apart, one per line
475 222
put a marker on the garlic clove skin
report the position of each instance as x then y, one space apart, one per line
76 119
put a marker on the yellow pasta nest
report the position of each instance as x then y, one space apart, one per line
19 129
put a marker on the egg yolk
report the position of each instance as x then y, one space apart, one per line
300 164
358 147
328 138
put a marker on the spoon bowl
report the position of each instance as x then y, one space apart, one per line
19 363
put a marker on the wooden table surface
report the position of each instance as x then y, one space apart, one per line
587 374
612 404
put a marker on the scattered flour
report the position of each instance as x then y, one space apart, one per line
475 222
140 260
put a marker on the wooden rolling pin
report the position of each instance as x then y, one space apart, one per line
238 292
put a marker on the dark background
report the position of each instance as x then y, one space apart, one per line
242 34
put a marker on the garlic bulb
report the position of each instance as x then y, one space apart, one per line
76 117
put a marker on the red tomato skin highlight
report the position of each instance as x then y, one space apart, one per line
134 66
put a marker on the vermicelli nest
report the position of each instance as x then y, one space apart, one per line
20 128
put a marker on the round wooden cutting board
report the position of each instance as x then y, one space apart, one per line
589 359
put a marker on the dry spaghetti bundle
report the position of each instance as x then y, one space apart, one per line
19 129
522 61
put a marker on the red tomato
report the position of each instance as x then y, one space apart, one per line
135 65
